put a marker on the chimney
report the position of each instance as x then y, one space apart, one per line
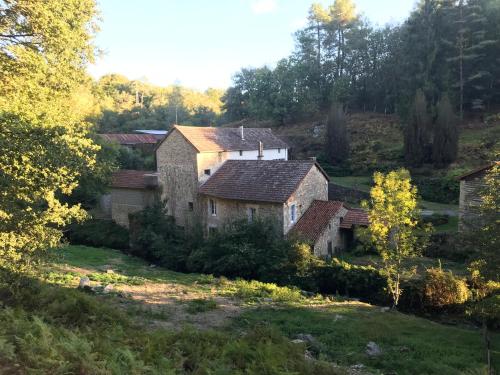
313 158
261 151
242 133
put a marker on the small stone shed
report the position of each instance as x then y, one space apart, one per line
471 184
328 226
132 191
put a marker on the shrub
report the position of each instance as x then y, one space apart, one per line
445 245
98 233
364 282
438 189
155 237
200 305
486 311
442 289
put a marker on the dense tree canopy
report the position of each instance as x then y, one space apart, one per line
44 48
445 46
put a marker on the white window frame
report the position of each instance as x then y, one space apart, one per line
251 214
212 207
293 213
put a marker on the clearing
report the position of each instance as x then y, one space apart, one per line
341 329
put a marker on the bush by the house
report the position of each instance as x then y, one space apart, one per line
155 237
446 245
364 282
98 233
443 289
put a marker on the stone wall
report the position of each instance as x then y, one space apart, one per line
331 233
313 187
469 200
232 210
178 177
127 201
342 193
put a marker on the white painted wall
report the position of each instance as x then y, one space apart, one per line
269 154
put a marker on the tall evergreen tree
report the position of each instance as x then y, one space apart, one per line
445 142
337 141
417 137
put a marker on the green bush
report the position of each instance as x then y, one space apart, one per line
438 189
200 305
486 311
98 233
339 277
442 289
154 236
446 246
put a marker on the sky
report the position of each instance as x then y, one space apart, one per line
203 43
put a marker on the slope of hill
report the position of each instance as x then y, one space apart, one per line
138 319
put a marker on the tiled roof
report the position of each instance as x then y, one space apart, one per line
257 180
130 139
316 219
130 179
355 216
208 139
478 170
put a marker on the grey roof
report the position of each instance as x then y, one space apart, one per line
153 132
258 180
209 139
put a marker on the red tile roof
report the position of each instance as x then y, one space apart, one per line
355 216
130 139
258 180
209 139
130 179
316 219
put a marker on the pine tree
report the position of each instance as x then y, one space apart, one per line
337 143
417 138
445 143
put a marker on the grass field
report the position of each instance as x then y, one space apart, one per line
226 313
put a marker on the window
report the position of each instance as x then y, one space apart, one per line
252 214
241 152
190 206
279 150
207 172
293 213
330 249
213 208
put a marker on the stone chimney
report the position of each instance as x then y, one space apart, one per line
261 151
242 133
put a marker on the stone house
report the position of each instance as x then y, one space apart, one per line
471 184
189 155
248 189
131 191
328 226
209 177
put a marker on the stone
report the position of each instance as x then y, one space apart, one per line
298 341
268 300
110 271
385 309
372 349
108 288
306 337
152 265
84 281
308 356
338 317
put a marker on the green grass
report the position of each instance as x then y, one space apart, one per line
258 341
410 345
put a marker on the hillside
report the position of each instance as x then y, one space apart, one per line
154 321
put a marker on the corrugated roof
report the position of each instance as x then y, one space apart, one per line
208 139
130 139
316 219
257 180
355 216
130 179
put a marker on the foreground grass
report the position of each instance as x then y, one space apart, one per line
57 329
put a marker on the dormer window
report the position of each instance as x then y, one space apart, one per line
207 172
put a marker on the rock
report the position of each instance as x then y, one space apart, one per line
152 265
404 349
110 271
338 317
108 288
84 281
298 341
305 293
306 337
308 356
267 300
385 309
373 349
